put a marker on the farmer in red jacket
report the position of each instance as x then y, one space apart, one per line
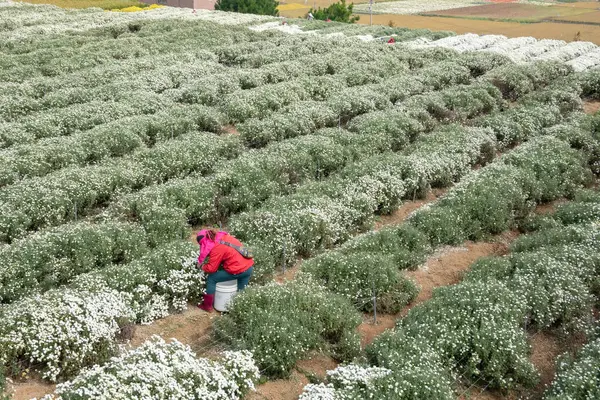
223 258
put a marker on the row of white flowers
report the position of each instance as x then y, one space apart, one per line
166 370
582 55
547 281
65 329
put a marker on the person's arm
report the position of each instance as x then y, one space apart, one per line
214 260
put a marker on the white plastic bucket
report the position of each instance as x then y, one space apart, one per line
224 293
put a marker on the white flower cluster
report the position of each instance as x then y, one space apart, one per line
580 55
66 329
577 378
35 21
158 369
69 193
49 258
586 61
344 382
62 329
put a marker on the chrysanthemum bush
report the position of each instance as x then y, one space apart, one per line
159 282
515 81
547 282
62 330
65 329
577 377
54 257
280 324
491 200
345 382
360 276
320 215
72 192
369 265
113 139
181 375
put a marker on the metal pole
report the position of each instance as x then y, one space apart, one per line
75 210
370 12
374 305
283 262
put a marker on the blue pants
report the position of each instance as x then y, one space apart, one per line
222 276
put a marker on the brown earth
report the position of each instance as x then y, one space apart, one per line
191 327
549 208
545 347
30 389
281 389
542 30
231 129
447 265
514 11
369 330
406 209
591 106
580 4
316 365
592 17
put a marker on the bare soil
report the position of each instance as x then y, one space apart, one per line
231 129
316 365
281 389
192 327
513 11
406 209
549 208
447 265
591 106
32 388
369 330
541 30
545 347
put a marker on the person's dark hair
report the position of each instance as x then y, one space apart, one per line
210 233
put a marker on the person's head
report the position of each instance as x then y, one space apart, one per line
209 234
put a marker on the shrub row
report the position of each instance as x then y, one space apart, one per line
489 201
113 139
52 258
183 375
63 330
472 333
70 193
280 324
321 214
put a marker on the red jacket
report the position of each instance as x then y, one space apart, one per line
232 261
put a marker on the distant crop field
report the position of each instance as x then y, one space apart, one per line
550 30
104 4
590 17
514 11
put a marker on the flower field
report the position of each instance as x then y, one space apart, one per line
120 133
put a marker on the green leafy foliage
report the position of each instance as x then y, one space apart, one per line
260 7
280 324
337 12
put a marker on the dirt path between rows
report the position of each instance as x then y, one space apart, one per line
591 106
